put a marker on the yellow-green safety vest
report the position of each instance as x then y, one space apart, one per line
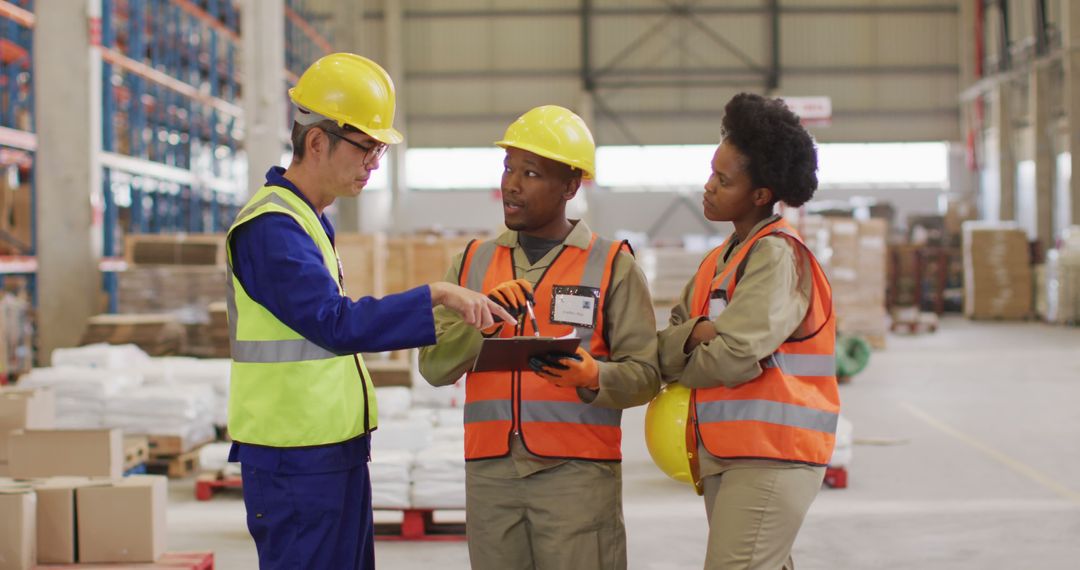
287 391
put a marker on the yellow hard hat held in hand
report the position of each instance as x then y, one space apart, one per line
350 90
667 420
557 133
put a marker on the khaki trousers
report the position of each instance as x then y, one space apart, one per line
566 517
755 513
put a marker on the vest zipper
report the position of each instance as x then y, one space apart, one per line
363 386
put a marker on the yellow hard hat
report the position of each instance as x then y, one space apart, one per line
351 90
666 421
554 132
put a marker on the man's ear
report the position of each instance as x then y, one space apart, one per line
573 183
763 196
315 142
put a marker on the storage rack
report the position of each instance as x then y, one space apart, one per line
171 119
307 38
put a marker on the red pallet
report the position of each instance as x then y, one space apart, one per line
419 525
836 477
207 485
171 561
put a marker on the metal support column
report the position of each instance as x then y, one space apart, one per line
1003 126
1039 115
395 66
68 185
263 97
1070 31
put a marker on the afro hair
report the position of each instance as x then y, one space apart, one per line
780 154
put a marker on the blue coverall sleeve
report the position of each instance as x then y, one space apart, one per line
281 268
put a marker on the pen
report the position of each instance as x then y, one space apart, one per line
532 317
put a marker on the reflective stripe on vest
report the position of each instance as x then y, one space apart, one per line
802 364
769 412
553 421
790 411
287 391
542 411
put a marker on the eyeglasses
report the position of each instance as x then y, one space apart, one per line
374 152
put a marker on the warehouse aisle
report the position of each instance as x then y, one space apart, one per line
966 457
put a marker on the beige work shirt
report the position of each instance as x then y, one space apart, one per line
771 300
630 377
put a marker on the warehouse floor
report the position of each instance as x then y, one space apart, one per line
967 456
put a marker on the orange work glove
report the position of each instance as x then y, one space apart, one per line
512 295
578 370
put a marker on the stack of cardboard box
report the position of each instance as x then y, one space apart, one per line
998 278
175 249
67 520
23 409
412 261
188 289
856 271
668 270
66 500
158 334
364 262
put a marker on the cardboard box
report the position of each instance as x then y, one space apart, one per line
56 524
18 512
24 409
123 521
53 453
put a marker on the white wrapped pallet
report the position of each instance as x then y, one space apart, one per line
101 355
183 411
185 371
424 394
402 435
394 401
438 477
214 456
81 393
450 417
390 479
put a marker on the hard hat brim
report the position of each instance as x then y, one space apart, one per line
385 136
585 173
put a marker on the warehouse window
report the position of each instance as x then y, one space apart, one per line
454 168
653 167
686 167
884 164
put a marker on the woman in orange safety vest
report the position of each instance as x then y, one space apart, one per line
753 337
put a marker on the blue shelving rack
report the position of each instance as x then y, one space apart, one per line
307 38
18 146
170 119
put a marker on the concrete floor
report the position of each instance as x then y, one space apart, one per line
967 456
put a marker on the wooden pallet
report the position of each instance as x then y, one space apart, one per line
419 525
174 249
178 466
170 561
207 484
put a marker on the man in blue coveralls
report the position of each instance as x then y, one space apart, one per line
302 406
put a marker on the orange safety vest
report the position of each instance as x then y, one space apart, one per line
789 412
553 422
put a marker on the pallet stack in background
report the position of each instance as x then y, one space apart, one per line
856 270
998 279
1059 291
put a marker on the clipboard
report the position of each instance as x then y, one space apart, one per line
512 354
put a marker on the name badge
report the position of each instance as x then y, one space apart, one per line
574 305
717 303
